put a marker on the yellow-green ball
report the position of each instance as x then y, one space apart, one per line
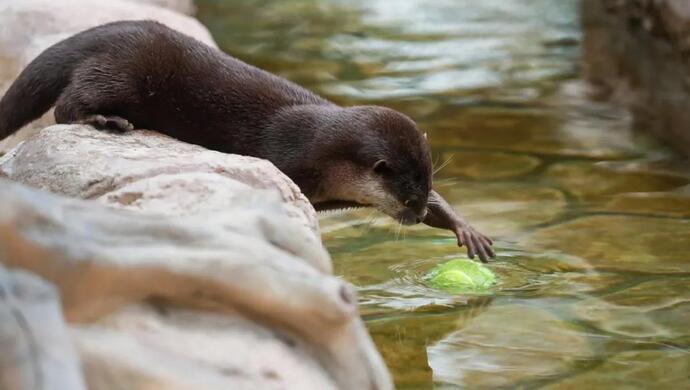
461 276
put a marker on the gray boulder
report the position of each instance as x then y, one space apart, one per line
149 172
213 300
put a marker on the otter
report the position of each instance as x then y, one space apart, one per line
142 74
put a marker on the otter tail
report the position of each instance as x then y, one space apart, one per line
40 84
37 88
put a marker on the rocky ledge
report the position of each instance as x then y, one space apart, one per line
226 299
638 52
146 171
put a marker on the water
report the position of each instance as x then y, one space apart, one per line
591 218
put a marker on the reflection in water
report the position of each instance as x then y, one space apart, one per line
591 217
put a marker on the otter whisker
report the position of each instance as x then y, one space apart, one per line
445 163
397 231
369 221
435 161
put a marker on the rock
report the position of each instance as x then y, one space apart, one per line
147 171
597 182
665 368
488 354
673 203
31 26
406 339
636 52
140 281
557 131
142 348
675 15
485 165
37 351
657 309
615 242
506 208
640 187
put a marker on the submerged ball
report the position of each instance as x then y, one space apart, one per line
460 276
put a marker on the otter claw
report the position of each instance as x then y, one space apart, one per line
476 243
109 123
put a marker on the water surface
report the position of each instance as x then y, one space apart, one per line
591 216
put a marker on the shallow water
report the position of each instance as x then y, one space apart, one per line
591 218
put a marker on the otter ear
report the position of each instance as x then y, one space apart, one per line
380 167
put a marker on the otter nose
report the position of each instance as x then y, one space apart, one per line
422 215
413 203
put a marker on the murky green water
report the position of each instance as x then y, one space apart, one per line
591 218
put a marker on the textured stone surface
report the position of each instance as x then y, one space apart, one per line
31 26
657 309
140 347
615 242
674 203
37 352
665 368
146 171
554 132
535 344
636 52
486 165
165 301
596 182
506 208
407 339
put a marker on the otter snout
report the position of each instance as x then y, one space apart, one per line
414 211
411 217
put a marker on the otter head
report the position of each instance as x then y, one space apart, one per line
382 161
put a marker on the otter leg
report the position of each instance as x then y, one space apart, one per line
441 215
96 98
73 107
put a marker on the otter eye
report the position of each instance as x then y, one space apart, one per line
413 202
381 167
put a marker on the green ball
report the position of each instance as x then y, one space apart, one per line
461 276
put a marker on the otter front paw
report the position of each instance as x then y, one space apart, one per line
109 123
476 243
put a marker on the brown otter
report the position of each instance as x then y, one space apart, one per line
143 74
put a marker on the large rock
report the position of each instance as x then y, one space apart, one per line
147 171
140 347
213 300
31 26
636 52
